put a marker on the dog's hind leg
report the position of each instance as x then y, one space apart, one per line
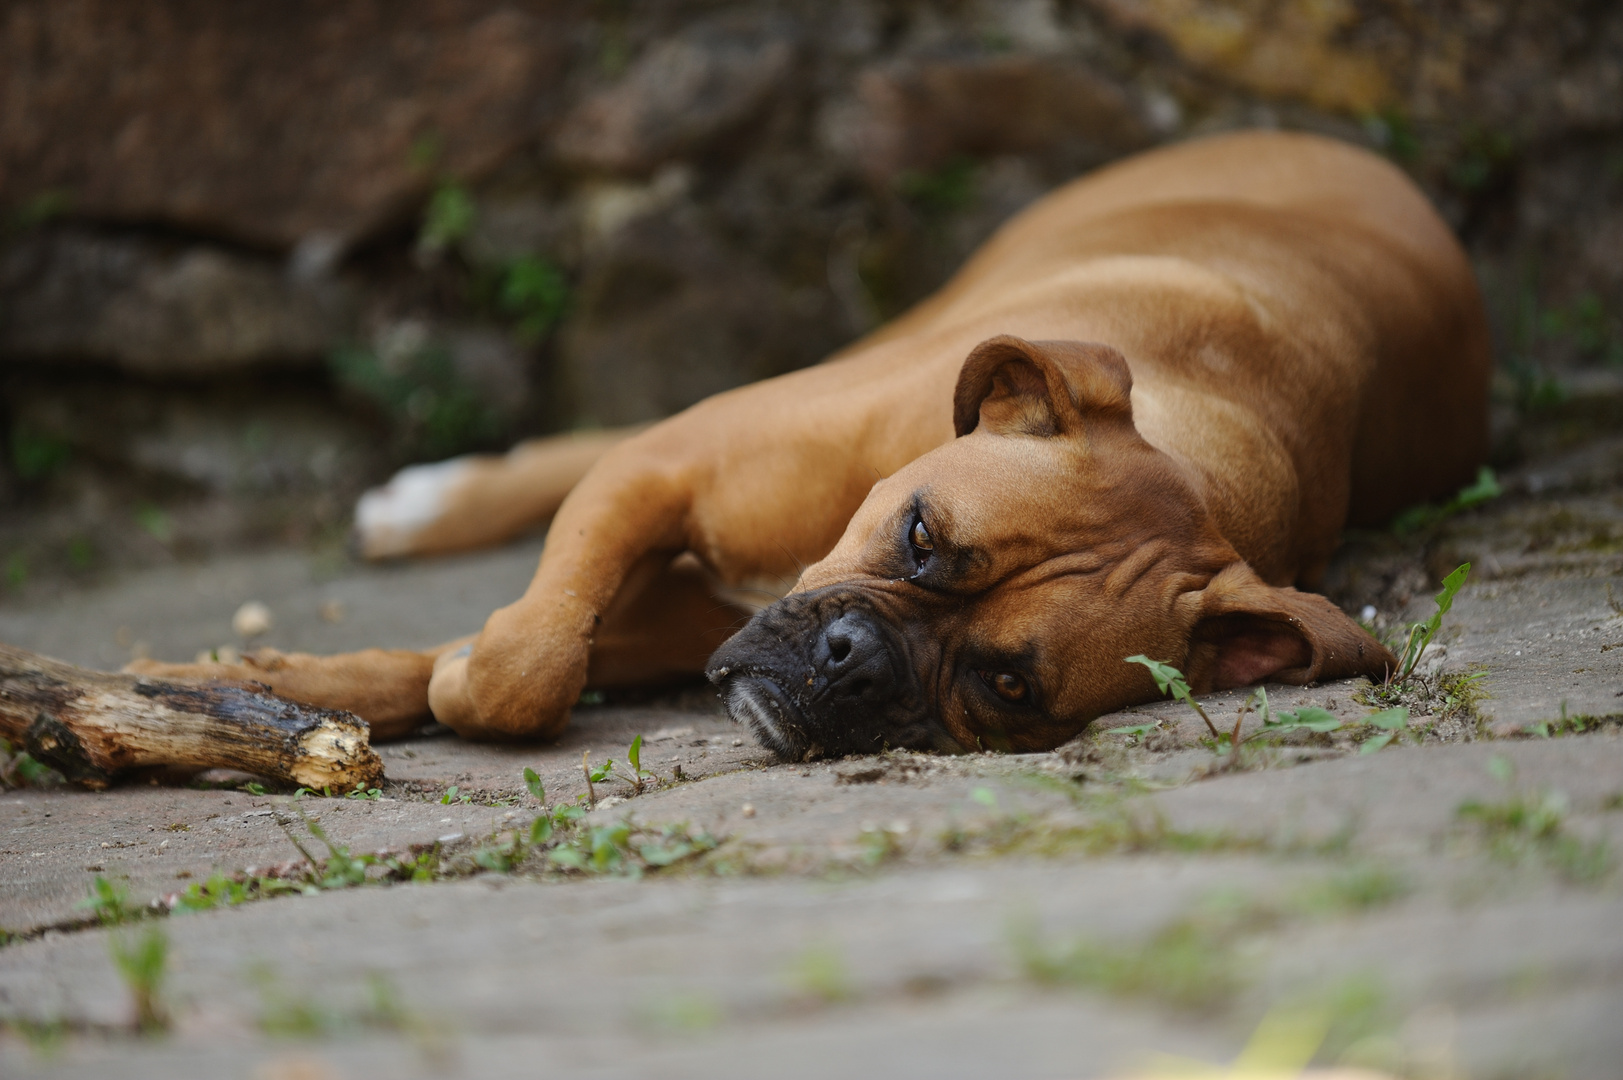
477 500
388 688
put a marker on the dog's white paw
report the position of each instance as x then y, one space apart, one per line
389 519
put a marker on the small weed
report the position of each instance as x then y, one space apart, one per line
821 974
221 890
563 844
157 524
883 843
534 292
413 379
361 791
109 902
1394 133
1169 680
940 193
1442 696
1417 518
1194 961
685 1012
532 780
448 220
19 769
44 1037
1568 724
1361 888
81 553
1422 633
1533 824
142 963
453 794
35 455
633 773
297 1015
1190 963
1116 829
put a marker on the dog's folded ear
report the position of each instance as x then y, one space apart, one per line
1011 386
1248 631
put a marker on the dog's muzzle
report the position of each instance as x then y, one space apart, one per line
816 675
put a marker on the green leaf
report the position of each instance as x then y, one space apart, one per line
1376 742
603 771
985 796
540 830
1310 718
1420 634
1485 488
1133 729
634 755
532 780
1500 768
1394 719
1315 719
1168 679
568 856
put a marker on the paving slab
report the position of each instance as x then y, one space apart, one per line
597 975
862 915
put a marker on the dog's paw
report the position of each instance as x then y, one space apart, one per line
389 519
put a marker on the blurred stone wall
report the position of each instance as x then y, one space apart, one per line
255 255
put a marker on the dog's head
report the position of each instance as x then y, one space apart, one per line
987 594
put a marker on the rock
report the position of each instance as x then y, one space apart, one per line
252 619
666 315
682 93
1531 69
69 295
251 438
920 114
265 124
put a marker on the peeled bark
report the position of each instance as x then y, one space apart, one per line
90 726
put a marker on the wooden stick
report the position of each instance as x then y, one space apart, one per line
90 726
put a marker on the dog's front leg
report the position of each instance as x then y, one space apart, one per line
525 670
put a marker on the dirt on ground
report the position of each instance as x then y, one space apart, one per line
1435 897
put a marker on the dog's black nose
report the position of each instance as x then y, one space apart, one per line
854 657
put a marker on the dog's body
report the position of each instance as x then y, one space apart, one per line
1289 339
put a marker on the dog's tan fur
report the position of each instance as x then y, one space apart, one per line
1305 346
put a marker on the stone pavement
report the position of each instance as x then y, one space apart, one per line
1056 915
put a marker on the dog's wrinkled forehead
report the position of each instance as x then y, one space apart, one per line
986 508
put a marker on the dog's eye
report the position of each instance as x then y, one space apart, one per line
922 544
1008 685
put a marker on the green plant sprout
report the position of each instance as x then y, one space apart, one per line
450 217
109 902
1526 824
1309 718
535 292
1484 489
142 964
1422 633
532 780
638 777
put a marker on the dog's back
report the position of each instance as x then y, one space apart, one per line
1304 281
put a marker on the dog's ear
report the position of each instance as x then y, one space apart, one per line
1248 631
1011 386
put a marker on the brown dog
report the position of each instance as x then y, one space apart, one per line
1185 373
